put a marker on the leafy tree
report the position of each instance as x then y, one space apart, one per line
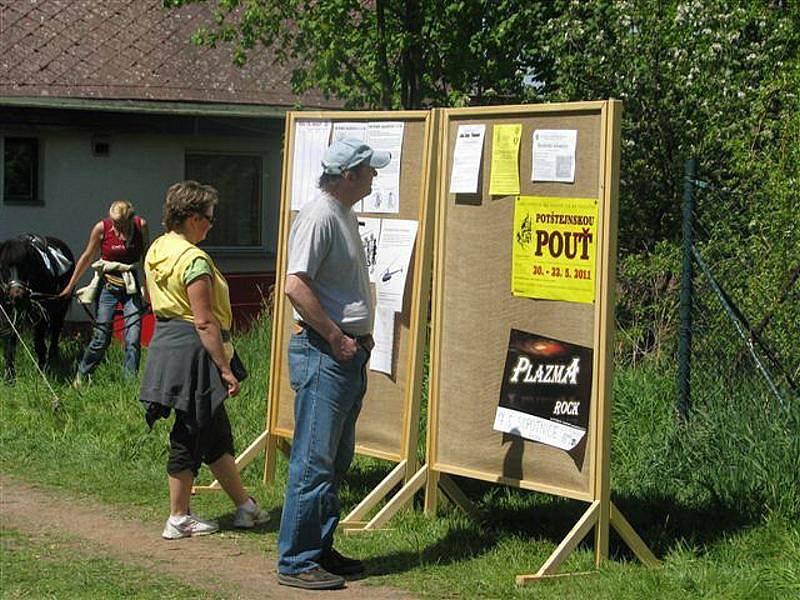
690 75
389 53
713 79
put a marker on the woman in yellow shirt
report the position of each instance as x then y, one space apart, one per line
189 363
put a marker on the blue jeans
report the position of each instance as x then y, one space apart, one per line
110 295
328 396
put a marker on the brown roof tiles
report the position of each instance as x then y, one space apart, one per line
130 50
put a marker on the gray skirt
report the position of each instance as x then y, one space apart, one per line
180 375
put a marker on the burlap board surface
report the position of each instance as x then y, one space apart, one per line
478 312
379 429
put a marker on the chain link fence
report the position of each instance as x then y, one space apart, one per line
740 308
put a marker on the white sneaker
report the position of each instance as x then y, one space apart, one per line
247 518
188 526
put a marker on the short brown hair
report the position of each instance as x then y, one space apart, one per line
185 199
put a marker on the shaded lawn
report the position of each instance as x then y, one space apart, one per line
717 499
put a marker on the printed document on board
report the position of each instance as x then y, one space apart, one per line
394 255
383 335
386 136
350 129
310 143
467 159
554 155
504 180
370 230
347 129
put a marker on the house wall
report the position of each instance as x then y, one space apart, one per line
77 187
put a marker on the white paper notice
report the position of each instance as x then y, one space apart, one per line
383 334
554 155
310 143
370 230
343 129
386 136
350 129
531 427
394 254
467 159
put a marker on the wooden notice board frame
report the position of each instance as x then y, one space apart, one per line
388 425
474 310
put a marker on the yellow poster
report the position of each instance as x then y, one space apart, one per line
554 248
505 160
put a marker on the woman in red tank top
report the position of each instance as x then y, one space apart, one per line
122 246
121 240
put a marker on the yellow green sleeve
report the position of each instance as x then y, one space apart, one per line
198 268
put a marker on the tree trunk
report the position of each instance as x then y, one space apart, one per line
383 62
412 56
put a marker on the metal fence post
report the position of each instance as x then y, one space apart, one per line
685 337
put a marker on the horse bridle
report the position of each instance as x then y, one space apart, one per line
15 282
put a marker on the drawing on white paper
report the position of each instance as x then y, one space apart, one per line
395 247
385 136
388 273
370 230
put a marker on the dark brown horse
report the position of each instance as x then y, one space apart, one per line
33 270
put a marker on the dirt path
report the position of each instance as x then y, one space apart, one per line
213 562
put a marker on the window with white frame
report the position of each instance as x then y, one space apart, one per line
238 179
21 170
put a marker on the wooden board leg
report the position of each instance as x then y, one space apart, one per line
454 493
376 495
214 486
431 493
399 500
270 459
567 545
601 533
630 537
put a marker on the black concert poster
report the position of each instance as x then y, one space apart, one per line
546 389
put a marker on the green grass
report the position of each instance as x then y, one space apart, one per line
57 566
718 498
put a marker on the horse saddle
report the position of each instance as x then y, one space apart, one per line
54 260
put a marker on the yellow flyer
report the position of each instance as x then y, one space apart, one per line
504 180
554 248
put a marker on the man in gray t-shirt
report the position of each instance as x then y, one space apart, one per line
328 285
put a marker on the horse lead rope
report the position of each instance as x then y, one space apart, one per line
95 325
56 401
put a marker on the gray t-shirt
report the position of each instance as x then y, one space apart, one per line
325 245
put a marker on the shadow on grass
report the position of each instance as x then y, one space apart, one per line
461 543
361 479
226 523
63 370
661 521
60 371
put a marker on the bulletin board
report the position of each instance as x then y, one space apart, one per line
387 427
474 311
390 405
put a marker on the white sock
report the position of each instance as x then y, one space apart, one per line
177 519
249 504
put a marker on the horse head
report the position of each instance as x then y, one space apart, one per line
15 285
